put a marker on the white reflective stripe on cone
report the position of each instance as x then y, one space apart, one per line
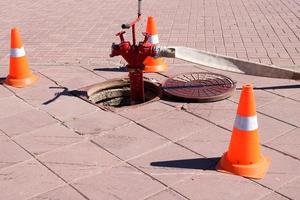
17 52
153 39
246 123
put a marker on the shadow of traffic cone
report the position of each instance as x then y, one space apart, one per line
244 156
153 64
19 73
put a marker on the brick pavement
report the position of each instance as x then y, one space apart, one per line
69 149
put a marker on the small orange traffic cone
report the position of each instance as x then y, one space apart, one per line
19 73
244 156
153 64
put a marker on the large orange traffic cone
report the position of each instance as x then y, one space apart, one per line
244 156
153 64
19 73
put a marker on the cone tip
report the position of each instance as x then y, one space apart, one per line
14 29
247 87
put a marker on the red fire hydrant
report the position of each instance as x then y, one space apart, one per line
134 55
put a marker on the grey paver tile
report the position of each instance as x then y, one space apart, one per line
130 141
172 163
268 127
209 142
288 143
122 182
148 111
11 106
78 160
96 122
25 180
25 121
69 108
47 138
282 169
11 153
61 193
220 186
166 195
291 189
290 113
175 124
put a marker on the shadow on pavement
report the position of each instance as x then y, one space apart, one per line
198 163
65 92
109 69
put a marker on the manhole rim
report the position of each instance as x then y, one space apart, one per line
114 83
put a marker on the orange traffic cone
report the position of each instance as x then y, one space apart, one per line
19 72
244 156
153 64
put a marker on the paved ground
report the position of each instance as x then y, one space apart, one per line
70 149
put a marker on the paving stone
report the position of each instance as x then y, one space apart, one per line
25 121
174 70
41 83
287 143
210 142
80 80
268 127
274 196
147 111
291 189
60 193
69 108
262 97
30 178
79 160
166 195
282 169
4 92
215 112
296 97
208 186
40 97
11 153
175 124
123 182
47 138
11 106
130 141
96 122
172 163
282 87
71 38
289 114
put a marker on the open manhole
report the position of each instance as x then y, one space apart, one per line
114 94
199 87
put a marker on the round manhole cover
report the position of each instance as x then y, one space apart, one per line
199 87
